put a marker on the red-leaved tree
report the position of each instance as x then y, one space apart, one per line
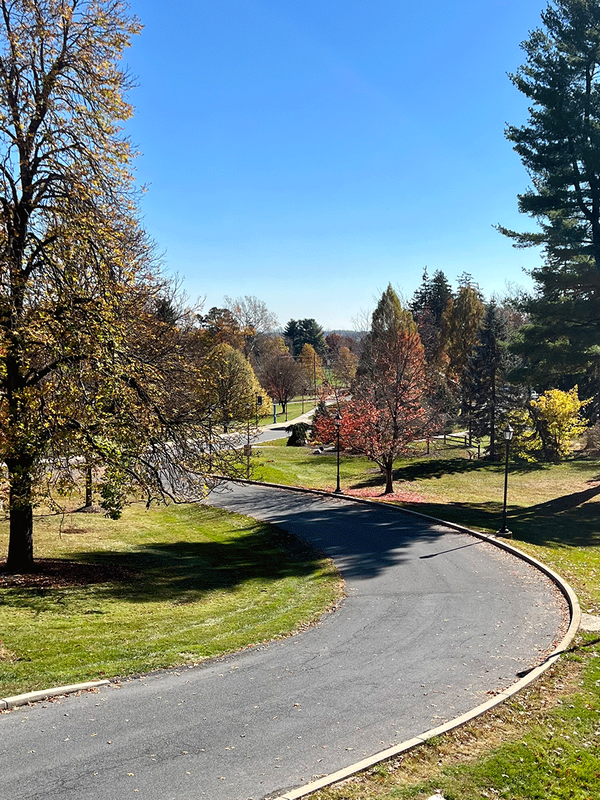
387 411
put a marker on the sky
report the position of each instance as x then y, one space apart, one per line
310 152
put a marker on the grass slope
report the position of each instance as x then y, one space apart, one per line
169 586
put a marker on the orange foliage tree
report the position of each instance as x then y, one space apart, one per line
387 411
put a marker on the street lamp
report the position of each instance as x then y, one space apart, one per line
338 423
210 452
248 448
508 434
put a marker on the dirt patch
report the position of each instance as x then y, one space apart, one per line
57 573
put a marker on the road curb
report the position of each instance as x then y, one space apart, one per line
46 694
499 698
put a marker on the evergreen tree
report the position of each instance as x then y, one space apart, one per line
560 147
305 331
484 374
428 304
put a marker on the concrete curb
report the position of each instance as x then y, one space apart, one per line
46 694
521 684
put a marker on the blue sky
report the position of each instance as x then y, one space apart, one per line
309 152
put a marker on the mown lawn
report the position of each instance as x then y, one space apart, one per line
168 586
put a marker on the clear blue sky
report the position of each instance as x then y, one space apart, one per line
309 152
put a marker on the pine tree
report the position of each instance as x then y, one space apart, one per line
305 331
484 374
560 148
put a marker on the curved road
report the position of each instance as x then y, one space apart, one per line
435 621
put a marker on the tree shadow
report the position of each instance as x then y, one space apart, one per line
423 469
185 572
567 520
364 540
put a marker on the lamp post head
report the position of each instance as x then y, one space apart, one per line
508 433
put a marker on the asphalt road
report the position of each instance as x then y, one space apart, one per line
434 622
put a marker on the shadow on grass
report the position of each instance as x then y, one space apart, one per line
568 520
184 571
425 468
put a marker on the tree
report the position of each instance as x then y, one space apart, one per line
220 326
433 295
68 234
344 366
231 385
305 331
312 367
298 433
487 365
548 425
428 305
559 146
254 320
387 410
460 323
281 376
89 371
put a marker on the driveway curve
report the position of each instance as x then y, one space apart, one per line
435 621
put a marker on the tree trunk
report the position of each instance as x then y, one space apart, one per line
493 417
20 545
88 487
389 484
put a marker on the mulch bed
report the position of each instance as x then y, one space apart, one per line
399 496
54 573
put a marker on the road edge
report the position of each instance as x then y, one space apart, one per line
46 694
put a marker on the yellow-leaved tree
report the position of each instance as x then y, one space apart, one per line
548 426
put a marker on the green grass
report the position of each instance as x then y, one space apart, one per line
545 743
296 466
294 409
185 583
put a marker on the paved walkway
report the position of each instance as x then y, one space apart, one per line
434 622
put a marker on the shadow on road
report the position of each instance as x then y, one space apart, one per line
365 539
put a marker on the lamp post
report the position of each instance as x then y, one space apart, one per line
338 423
248 448
210 455
508 434
259 402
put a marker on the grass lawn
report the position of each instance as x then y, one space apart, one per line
545 743
169 586
294 409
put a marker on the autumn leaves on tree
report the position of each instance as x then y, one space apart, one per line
95 370
387 411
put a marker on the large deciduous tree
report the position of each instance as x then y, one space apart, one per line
69 240
560 148
231 385
282 376
387 410
255 321
88 367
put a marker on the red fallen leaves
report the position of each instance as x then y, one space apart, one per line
402 496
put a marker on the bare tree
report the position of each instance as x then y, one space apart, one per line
254 319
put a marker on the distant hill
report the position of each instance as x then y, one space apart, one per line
351 334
